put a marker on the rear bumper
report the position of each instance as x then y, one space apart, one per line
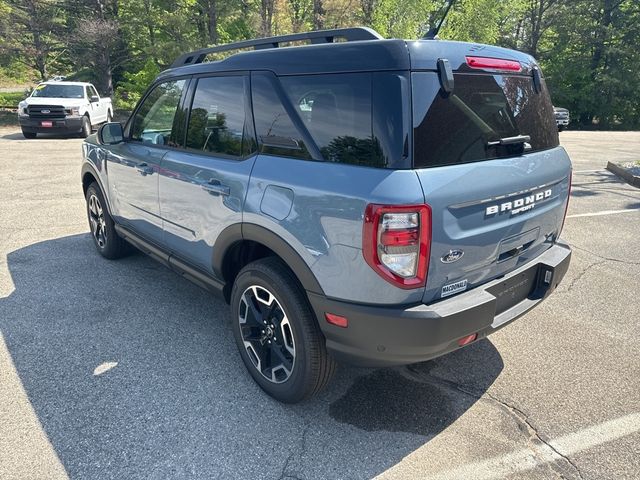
59 125
384 336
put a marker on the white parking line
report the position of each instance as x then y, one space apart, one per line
528 459
604 212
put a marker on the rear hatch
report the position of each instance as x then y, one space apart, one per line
488 159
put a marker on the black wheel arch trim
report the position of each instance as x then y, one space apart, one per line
249 231
89 168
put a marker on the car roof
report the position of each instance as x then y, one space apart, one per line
62 82
356 56
353 56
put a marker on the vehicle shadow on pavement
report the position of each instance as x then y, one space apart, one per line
41 136
133 373
598 183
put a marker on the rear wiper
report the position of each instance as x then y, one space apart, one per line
510 140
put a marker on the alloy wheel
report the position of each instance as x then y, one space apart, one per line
97 221
266 334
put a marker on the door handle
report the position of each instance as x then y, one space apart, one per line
144 169
214 187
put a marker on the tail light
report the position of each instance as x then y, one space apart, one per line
397 242
566 207
487 63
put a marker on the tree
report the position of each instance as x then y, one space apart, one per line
31 33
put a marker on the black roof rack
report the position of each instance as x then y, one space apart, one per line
316 37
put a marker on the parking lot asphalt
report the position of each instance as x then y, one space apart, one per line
124 370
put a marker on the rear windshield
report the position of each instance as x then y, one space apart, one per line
478 120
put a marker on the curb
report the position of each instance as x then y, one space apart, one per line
628 177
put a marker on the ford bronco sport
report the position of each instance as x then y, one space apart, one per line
381 202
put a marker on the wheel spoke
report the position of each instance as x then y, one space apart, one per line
287 336
94 225
92 205
253 313
279 358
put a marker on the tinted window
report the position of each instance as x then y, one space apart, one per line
392 118
155 119
336 110
468 124
276 132
217 120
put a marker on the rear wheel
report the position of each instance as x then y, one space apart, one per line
109 244
29 135
277 334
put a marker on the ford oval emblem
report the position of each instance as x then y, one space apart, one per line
452 256
45 111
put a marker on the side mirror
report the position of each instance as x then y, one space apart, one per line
94 99
110 134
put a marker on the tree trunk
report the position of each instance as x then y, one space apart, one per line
212 26
266 16
368 7
318 14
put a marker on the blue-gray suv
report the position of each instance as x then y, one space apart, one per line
380 202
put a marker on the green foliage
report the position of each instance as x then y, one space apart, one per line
134 85
11 99
588 48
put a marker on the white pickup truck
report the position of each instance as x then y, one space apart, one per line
63 107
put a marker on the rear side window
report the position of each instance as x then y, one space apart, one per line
155 119
468 124
217 119
336 109
354 118
277 135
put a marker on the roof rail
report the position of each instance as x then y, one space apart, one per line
316 37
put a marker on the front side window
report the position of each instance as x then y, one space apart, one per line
156 122
217 119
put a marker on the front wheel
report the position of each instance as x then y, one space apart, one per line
109 244
277 334
86 127
29 135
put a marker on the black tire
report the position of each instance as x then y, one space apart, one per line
560 128
109 244
86 127
29 135
311 367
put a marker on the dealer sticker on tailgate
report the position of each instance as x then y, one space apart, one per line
453 288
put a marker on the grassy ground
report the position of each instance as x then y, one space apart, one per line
11 99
